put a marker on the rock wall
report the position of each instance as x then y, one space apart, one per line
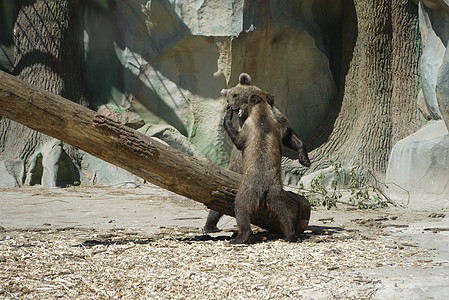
176 56
167 61
420 162
434 64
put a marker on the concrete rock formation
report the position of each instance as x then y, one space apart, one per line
434 25
420 162
12 173
51 166
187 52
171 137
97 171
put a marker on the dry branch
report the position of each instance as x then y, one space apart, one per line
197 179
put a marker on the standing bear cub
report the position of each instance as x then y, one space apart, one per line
237 98
261 187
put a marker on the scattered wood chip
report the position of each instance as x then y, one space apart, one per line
326 220
436 230
437 215
168 264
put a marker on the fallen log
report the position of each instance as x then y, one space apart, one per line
199 180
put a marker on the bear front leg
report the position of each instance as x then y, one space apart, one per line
292 141
299 146
230 129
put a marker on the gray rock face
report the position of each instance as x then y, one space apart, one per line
185 53
442 88
12 173
167 61
434 64
50 166
171 137
97 171
420 162
422 106
209 17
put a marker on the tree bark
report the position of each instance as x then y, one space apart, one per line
47 54
378 106
200 180
406 45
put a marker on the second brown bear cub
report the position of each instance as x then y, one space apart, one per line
261 185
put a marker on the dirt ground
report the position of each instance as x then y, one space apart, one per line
147 243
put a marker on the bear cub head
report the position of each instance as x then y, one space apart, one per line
237 97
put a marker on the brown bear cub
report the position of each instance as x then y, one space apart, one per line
261 186
237 97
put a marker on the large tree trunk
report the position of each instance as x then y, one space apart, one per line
200 180
378 106
47 54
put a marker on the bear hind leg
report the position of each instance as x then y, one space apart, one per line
242 216
279 210
212 221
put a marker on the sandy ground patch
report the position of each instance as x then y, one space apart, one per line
136 243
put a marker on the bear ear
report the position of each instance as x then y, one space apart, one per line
245 79
270 99
224 92
254 99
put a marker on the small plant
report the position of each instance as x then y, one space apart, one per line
365 197
362 196
319 194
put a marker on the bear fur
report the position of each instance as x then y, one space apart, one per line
261 187
238 97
